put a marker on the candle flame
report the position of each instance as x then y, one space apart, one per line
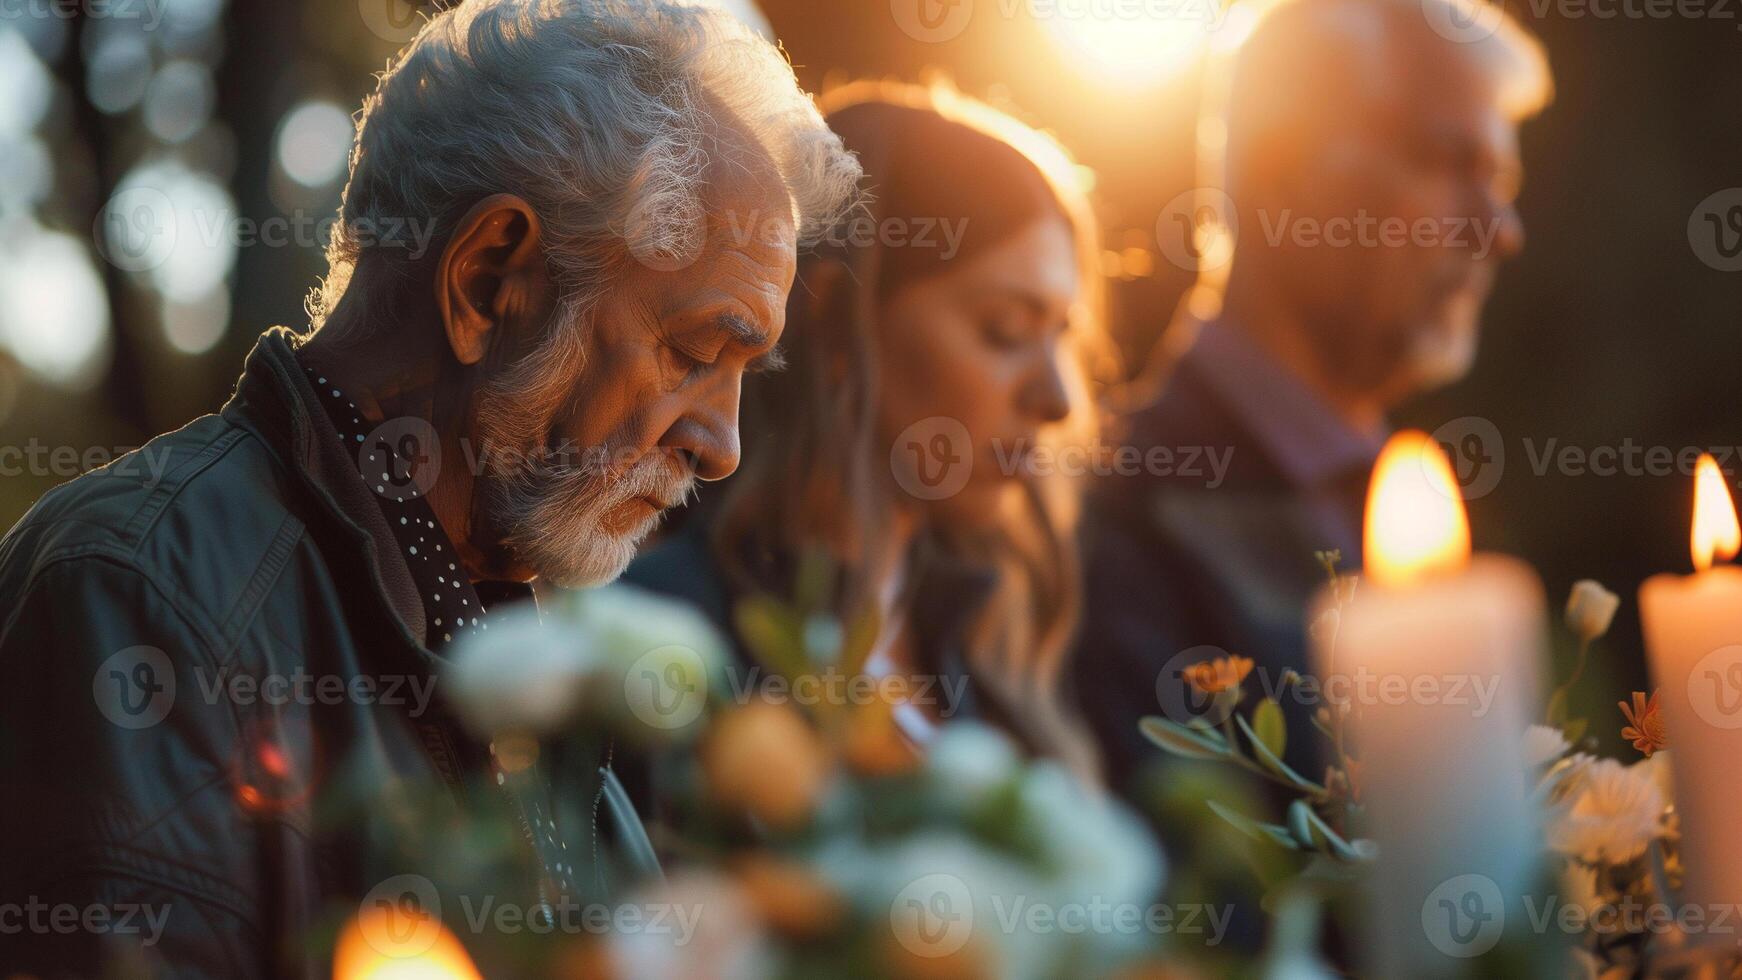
1416 526
387 944
1716 533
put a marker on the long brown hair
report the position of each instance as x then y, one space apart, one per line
811 469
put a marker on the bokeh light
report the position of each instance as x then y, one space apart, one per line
54 314
25 83
176 227
179 101
118 72
313 143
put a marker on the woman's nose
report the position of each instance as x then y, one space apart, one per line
1044 397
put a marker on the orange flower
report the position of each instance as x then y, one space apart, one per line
765 758
1220 674
1644 725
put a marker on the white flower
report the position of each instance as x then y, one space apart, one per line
968 761
1590 609
1658 767
1543 744
940 890
1101 849
518 675
694 924
1611 814
625 655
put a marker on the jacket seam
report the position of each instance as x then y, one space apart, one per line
139 526
109 858
272 565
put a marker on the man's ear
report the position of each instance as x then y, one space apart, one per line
491 274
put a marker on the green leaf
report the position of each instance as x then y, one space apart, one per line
1252 828
1182 741
1268 760
1330 871
1268 723
1313 833
773 632
1574 730
1557 709
861 637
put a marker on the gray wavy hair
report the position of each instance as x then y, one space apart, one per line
595 112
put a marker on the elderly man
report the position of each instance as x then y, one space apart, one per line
1370 165
618 191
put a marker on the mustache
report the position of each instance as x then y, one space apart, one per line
583 490
558 513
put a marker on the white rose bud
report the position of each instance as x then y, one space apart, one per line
1590 609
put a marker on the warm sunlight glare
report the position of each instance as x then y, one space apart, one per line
1131 45
1716 533
389 944
1416 527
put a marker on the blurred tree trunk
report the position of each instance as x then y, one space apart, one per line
123 389
255 88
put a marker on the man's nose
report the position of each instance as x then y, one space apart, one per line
707 436
1502 216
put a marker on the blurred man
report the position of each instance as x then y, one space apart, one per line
204 671
1371 161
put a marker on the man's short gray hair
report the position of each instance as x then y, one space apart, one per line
596 112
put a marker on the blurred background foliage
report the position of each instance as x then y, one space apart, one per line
1609 329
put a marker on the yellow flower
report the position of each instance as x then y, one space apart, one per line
1644 723
766 758
1218 675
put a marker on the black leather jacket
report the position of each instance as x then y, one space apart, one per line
141 782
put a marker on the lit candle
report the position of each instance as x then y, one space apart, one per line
1438 654
1693 635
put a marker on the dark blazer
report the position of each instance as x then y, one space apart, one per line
1179 571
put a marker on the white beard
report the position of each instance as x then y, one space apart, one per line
557 520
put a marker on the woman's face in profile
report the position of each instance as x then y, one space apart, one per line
975 361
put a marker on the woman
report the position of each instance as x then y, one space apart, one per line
937 360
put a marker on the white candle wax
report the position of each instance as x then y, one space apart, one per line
1693 634
1441 676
